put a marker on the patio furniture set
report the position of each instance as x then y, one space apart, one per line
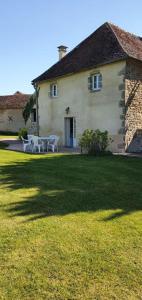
41 144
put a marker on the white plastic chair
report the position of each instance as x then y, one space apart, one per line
36 144
53 143
26 144
30 137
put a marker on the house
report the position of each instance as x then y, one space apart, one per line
97 85
11 112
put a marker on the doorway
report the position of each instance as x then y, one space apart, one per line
70 132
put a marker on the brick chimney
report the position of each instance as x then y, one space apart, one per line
62 51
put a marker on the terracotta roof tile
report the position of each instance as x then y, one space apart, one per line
18 100
131 44
107 44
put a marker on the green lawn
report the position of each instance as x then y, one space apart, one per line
70 227
8 137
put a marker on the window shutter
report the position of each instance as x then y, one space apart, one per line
50 92
56 90
100 81
90 83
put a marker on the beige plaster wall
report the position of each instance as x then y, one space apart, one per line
92 110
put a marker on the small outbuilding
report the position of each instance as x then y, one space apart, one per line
11 111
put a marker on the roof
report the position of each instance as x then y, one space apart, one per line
107 44
15 101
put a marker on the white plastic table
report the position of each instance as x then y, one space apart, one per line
44 139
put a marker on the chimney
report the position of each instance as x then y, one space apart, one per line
62 51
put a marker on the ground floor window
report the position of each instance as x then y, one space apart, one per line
33 115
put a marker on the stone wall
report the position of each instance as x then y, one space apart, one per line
12 120
133 106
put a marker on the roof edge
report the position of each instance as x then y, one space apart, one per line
110 25
85 69
124 52
69 53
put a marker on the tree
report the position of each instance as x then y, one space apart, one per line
33 100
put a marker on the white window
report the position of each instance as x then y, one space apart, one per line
96 82
53 90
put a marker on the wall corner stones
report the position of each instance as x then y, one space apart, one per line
133 103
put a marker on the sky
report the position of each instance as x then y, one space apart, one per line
31 31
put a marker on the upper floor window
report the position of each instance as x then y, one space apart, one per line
53 90
95 82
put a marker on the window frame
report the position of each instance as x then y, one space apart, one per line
97 76
54 90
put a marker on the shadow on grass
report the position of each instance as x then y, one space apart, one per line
73 183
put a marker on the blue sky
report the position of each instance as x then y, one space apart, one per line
31 30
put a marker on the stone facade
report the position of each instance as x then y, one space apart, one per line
11 120
133 106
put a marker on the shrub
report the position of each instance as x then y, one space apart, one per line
23 133
11 133
3 145
94 141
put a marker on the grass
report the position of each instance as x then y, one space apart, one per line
70 227
4 135
4 138
8 137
